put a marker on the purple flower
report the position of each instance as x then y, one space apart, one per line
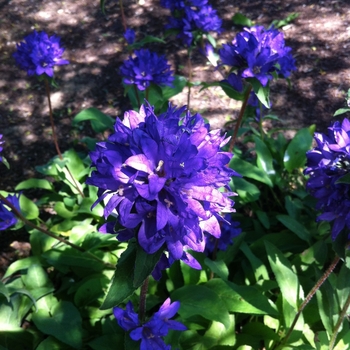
151 332
146 67
39 53
326 164
162 175
191 22
181 4
1 148
7 217
229 230
129 36
257 53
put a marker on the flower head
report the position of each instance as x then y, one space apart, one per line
39 53
146 67
191 20
162 175
7 217
229 230
129 36
326 164
151 332
181 4
257 53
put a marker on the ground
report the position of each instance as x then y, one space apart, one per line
319 37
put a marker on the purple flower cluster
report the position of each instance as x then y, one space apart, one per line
129 36
151 332
1 148
258 53
326 164
162 175
229 230
39 53
146 68
7 217
192 18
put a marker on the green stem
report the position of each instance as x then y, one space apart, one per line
55 140
137 95
240 117
48 233
308 298
339 323
143 294
262 134
123 15
189 79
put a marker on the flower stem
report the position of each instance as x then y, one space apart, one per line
137 95
308 298
240 117
189 79
123 15
48 233
143 294
47 88
339 323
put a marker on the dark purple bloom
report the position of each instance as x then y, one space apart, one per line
181 4
191 22
326 164
229 230
39 53
1 148
129 36
146 67
151 332
7 217
257 53
162 175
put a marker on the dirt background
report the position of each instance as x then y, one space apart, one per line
319 37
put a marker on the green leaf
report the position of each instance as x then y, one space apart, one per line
262 93
4 291
144 264
51 343
36 277
286 278
218 267
295 226
179 84
265 160
295 154
249 170
102 6
281 23
18 339
147 40
247 191
341 111
122 285
220 334
62 211
108 342
90 291
241 20
242 299
28 208
99 121
199 300
63 322
34 183
22 264
343 283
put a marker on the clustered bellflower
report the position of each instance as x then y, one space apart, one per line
146 67
7 217
229 230
151 332
162 175
326 164
258 53
191 18
39 53
129 36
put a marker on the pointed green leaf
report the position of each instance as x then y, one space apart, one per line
34 183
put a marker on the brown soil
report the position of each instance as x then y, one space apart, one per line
319 37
